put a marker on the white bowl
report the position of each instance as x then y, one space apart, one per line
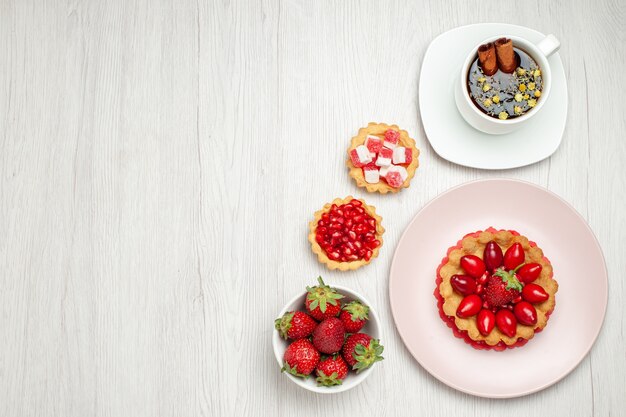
372 327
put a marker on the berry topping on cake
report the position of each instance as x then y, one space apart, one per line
502 288
495 289
346 234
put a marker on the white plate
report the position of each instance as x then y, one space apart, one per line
452 138
566 240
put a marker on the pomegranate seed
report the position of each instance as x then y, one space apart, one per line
479 289
517 299
483 278
347 233
486 305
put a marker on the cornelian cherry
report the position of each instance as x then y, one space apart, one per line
347 233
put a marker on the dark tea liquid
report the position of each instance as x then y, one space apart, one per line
506 96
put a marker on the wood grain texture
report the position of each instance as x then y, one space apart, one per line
159 163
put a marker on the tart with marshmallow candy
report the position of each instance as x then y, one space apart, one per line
382 158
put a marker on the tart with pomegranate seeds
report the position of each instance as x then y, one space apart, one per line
382 158
495 289
346 234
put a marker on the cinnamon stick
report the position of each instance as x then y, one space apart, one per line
487 58
506 55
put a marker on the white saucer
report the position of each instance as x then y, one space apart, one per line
455 140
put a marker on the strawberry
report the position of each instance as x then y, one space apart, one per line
328 336
361 351
354 315
322 301
331 371
502 288
301 358
295 325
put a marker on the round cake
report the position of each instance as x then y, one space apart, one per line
495 289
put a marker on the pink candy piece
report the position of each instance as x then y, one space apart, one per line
391 138
402 155
373 144
360 156
384 157
371 174
396 175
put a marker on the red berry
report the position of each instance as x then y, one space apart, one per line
343 227
301 358
506 322
492 256
469 306
295 325
473 265
328 335
331 371
514 256
525 313
534 293
353 316
485 321
322 301
529 272
361 351
463 284
502 288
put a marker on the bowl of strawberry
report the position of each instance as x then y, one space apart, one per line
327 339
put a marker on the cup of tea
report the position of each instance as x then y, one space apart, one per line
504 82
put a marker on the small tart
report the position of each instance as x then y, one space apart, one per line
379 129
369 212
448 299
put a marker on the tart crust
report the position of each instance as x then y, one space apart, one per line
321 254
379 129
448 300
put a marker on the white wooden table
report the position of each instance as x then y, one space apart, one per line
160 161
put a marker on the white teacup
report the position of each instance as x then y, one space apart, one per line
488 124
